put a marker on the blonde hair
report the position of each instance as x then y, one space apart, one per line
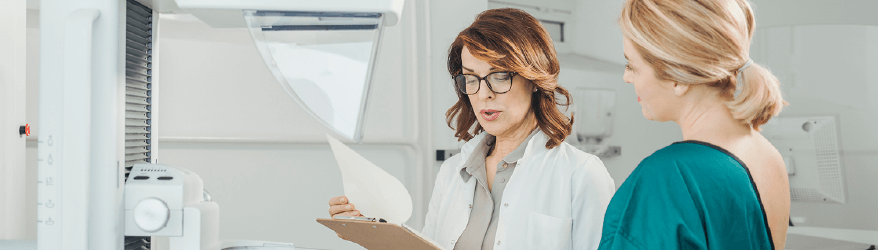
705 42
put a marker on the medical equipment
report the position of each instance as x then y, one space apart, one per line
811 152
167 201
595 110
594 114
98 106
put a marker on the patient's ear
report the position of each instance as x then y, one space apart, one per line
680 89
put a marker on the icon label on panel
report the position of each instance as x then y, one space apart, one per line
49 181
50 222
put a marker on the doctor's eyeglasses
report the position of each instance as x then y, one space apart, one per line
498 82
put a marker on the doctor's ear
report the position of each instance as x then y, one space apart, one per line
680 89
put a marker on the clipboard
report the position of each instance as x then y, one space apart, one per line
379 235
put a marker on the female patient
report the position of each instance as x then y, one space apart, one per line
516 184
725 186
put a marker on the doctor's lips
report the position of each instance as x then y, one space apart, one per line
638 99
490 114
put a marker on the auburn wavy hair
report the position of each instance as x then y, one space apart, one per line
512 40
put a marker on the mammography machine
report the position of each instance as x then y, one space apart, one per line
100 187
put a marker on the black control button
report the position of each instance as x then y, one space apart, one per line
142 177
165 178
24 130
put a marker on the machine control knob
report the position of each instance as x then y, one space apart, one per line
151 214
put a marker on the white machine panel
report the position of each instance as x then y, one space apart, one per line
229 13
155 196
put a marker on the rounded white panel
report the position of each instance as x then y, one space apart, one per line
151 214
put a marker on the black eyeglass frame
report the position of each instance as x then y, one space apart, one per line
462 91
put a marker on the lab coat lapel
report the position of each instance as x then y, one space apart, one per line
462 205
523 169
521 177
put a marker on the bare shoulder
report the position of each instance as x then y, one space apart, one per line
764 160
769 172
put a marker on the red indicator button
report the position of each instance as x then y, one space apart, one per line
24 130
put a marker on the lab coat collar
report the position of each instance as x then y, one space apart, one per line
476 159
536 145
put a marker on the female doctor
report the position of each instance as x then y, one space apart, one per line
519 185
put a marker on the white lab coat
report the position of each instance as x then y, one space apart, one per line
555 199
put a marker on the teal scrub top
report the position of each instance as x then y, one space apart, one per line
689 195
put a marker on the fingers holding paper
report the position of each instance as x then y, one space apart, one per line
340 206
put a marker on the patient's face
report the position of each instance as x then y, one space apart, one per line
656 97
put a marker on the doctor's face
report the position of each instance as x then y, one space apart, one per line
499 114
656 97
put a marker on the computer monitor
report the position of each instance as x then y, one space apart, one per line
811 150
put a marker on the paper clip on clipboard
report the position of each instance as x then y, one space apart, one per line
357 218
376 233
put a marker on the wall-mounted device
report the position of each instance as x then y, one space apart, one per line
594 114
811 152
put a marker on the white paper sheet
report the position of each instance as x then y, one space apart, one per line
372 190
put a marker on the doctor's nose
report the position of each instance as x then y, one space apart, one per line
485 92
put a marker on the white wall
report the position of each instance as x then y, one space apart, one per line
12 115
597 33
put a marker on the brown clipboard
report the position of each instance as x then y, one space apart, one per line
378 235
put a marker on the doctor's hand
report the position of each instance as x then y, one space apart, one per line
340 206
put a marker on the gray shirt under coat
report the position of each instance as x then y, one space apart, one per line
484 215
